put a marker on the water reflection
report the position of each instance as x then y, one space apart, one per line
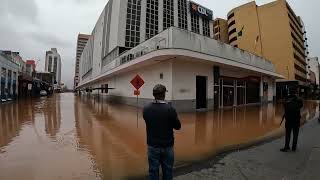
67 137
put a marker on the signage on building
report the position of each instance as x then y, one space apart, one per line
137 82
200 10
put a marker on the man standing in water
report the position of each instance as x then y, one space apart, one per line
292 107
160 120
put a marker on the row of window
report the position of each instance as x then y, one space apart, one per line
182 14
10 74
297 33
195 23
293 14
300 78
206 27
152 18
297 41
168 16
233 39
297 67
232 31
296 25
231 16
133 23
299 59
298 50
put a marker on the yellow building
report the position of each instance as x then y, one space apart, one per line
274 32
220 29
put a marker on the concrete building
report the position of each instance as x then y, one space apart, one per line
9 77
199 72
53 64
275 32
313 71
81 43
220 30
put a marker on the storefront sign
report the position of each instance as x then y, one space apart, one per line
200 10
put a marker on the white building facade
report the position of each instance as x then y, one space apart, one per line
53 64
170 42
9 78
313 70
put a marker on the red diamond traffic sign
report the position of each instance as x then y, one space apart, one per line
137 82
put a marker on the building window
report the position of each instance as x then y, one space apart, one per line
231 16
206 27
55 65
168 17
182 14
232 31
50 64
152 24
233 39
133 23
9 76
3 74
231 23
195 23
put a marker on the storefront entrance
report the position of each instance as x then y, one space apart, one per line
201 92
231 92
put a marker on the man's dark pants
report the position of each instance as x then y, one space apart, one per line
295 129
163 157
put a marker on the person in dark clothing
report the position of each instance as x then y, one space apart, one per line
160 119
292 107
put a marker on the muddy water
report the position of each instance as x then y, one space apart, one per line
67 137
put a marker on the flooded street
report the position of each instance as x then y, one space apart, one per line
68 137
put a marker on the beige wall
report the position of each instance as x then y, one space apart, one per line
271 23
222 25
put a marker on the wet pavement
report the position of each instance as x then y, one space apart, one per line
68 137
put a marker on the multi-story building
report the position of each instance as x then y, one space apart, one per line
9 77
220 29
81 43
31 67
313 71
274 32
53 65
170 42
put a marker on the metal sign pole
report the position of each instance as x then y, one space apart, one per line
137 111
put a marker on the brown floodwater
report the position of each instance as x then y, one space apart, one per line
68 137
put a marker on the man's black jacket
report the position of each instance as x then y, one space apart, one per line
160 120
292 108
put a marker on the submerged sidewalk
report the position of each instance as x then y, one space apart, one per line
267 162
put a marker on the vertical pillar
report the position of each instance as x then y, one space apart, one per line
274 90
200 25
261 90
189 16
160 13
175 15
143 20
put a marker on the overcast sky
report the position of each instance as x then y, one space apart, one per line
34 26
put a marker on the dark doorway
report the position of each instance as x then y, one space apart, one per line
201 92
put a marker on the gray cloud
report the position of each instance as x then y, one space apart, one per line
48 39
21 9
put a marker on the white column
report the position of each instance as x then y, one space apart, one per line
201 25
143 21
188 16
211 29
175 15
160 13
261 89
